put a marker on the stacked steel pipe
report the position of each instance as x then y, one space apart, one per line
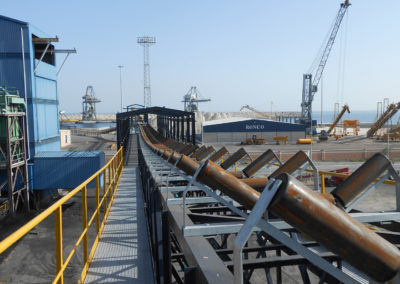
302 208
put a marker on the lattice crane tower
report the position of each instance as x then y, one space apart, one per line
146 41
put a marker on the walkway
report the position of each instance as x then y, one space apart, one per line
123 253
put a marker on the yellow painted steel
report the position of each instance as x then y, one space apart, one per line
112 170
304 141
322 183
4 207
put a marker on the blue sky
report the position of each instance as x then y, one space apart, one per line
235 52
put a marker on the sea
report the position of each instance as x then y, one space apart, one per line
364 116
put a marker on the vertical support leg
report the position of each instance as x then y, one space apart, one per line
84 225
97 205
166 241
59 243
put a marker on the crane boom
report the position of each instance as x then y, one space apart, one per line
328 47
337 119
256 111
310 85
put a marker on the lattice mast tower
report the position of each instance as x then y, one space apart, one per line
146 42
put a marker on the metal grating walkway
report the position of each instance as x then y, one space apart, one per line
123 253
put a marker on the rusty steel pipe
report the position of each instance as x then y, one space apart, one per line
291 165
189 149
236 174
206 153
218 155
308 212
257 183
239 154
198 152
334 229
357 183
258 163
212 175
181 147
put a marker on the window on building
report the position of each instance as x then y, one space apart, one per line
39 48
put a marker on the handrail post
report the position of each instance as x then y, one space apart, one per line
84 225
109 183
322 183
59 243
112 177
105 201
97 205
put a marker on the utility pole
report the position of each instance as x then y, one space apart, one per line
146 42
120 82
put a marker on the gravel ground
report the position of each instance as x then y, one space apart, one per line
32 259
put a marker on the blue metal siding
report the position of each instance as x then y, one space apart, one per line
64 169
46 109
254 125
11 67
42 95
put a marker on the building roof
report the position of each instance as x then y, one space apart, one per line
232 119
13 20
242 124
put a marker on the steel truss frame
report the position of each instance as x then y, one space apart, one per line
13 162
191 228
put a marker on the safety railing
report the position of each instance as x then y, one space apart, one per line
110 176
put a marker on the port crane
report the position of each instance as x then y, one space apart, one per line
310 82
89 105
192 99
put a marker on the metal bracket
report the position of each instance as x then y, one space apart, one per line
65 59
198 171
311 164
247 229
390 172
41 57
265 168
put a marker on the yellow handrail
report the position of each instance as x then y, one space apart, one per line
111 175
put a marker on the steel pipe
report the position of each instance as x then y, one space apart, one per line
238 155
212 175
291 165
357 183
334 229
257 183
306 211
236 174
206 153
198 152
258 163
219 154
189 149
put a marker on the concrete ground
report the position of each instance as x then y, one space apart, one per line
105 143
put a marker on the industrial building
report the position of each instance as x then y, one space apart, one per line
28 91
28 64
236 130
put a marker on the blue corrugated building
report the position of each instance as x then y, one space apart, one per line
235 130
27 62
66 169
20 51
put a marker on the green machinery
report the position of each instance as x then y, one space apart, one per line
11 104
13 165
